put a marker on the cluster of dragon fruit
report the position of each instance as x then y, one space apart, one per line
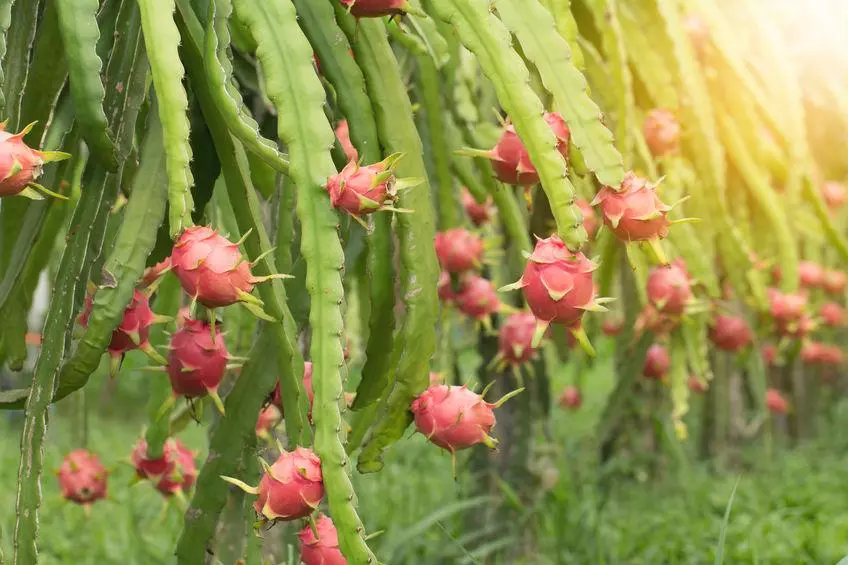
557 287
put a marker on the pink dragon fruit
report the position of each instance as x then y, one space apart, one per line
454 417
590 219
788 312
696 385
557 284
811 352
477 298
277 398
769 353
730 333
669 288
20 165
515 342
134 329
510 158
82 477
153 469
268 419
834 282
361 190
834 194
831 355
458 250
657 362
833 314
775 402
196 363
445 289
211 268
291 488
570 399
375 8
612 327
323 548
811 275
343 135
662 132
478 212
181 474
634 212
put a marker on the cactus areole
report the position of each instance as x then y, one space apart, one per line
510 158
82 477
669 288
360 190
134 328
320 547
634 212
211 268
196 364
291 488
375 8
454 417
557 283
458 250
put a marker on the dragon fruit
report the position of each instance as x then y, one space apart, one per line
445 288
788 312
590 219
834 194
82 477
375 8
510 158
323 548
268 419
211 268
657 362
669 288
570 398
557 284
652 320
662 132
833 314
811 275
730 333
478 212
477 298
515 342
153 469
277 396
343 135
196 363
174 472
454 417
361 190
134 329
291 488
612 327
634 212
696 385
20 165
458 250
775 402
834 282
769 354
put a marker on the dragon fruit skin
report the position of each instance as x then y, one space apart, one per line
634 212
211 267
590 219
374 8
696 385
477 298
557 283
510 159
730 333
361 190
458 250
662 132
82 477
515 341
196 364
322 549
657 362
453 417
479 213
669 288
134 328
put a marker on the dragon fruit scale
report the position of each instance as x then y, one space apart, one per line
291 488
